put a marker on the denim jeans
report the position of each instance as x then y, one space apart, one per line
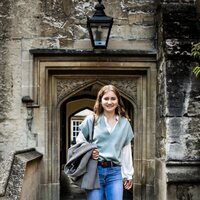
111 185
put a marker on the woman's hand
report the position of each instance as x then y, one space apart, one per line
128 184
95 154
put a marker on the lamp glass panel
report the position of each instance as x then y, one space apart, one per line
100 34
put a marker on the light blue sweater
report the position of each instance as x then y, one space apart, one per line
109 145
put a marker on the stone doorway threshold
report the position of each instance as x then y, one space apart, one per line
76 193
70 193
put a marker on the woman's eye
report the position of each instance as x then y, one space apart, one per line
107 99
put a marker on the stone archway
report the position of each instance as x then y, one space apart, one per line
69 191
59 78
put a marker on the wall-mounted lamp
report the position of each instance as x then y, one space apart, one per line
99 27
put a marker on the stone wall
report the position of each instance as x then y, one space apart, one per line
178 103
27 24
56 24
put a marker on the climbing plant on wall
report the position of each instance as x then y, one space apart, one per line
196 54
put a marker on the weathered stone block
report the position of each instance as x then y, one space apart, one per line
141 18
43 42
5 20
180 21
5 167
66 43
138 5
178 12
183 172
177 47
183 191
55 8
178 86
194 102
68 6
193 139
136 32
183 30
24 172
160 179
183 139
176 131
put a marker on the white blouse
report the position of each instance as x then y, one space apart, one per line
126 154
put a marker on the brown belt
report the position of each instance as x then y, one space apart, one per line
107 164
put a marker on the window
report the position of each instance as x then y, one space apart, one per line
75 129
76 121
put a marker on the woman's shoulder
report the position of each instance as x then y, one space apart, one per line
86 123
123 119
89 117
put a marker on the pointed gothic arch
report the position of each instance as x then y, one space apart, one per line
54 82
75 103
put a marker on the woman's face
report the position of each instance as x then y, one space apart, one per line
109 102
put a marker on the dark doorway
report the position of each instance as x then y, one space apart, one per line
87 96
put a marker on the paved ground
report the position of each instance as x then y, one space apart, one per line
75 193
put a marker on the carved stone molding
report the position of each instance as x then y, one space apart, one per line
65 87
68 86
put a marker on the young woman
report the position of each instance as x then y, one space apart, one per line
112 135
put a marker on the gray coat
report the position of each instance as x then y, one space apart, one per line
80 167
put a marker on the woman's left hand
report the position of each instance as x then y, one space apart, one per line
95 154
128 184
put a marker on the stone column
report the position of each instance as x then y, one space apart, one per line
178 154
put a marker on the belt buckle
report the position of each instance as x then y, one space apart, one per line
104 164
111 163
107 164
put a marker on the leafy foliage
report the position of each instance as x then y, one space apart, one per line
196 70
196 54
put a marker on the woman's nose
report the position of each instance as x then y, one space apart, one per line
109 101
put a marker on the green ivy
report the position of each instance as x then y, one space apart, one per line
196 54
196 71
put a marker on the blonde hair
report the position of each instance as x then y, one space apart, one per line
98 109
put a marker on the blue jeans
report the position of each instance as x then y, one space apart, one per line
111 185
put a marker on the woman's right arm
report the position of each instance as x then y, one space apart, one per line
81 138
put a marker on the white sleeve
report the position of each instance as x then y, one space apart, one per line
127 162
80 138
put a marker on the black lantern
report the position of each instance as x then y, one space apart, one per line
99 27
